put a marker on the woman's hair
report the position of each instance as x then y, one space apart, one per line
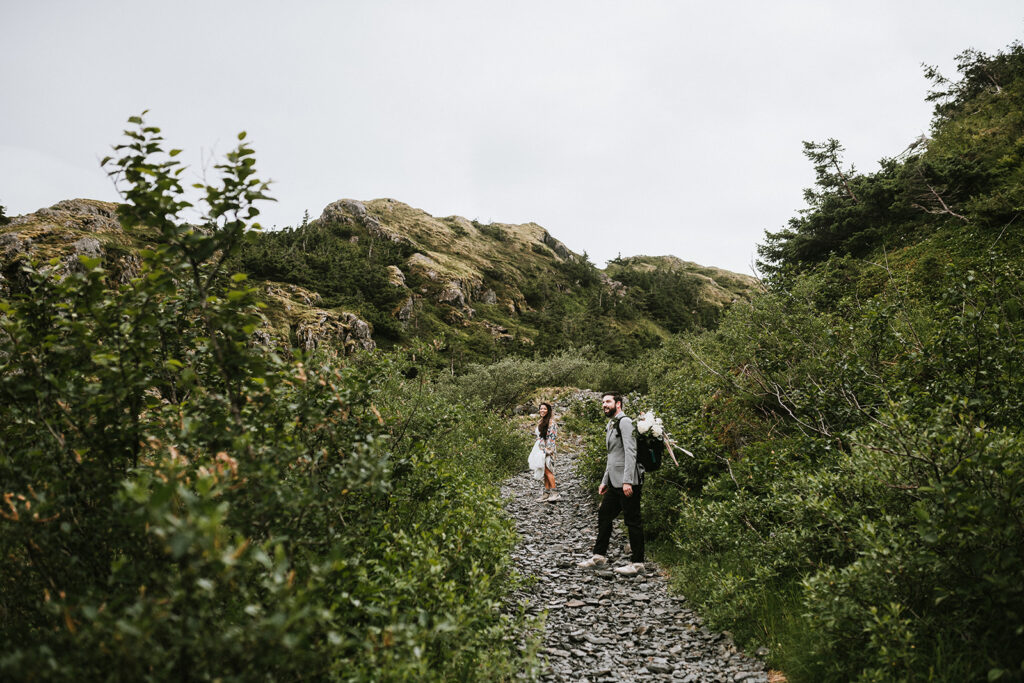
542 428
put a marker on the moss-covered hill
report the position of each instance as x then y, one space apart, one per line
384 273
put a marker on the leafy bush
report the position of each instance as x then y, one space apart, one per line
934 571
180 502
508 382
854 503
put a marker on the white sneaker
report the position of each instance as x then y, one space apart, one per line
631 569
543 497
595 561
553 497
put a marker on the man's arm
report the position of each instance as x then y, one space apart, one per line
629 473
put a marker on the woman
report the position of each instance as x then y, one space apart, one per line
546 432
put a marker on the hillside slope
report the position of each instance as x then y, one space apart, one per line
383 272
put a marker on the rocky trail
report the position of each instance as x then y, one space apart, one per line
601 626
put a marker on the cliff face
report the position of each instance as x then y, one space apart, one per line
418 275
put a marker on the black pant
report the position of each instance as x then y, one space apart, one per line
616 501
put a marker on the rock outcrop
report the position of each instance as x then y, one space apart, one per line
555 245
13 245
353 212
396 276
346 331
88 215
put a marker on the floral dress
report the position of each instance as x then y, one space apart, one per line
548 446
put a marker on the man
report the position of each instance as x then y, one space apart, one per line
621 487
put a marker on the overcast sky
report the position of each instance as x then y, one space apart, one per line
632 127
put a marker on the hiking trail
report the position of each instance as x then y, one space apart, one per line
601 626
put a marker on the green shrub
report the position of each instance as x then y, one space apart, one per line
508 382
860 466
938 560
179 502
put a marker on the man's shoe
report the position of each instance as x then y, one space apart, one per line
631 569
595 561
553 497
543 497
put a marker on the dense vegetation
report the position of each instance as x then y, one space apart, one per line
180 502
856 500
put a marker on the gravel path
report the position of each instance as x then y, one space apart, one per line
601 626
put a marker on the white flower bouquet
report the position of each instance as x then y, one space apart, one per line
649 422
650 427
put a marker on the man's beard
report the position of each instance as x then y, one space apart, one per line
609 411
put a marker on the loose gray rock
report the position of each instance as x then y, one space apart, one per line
12 244
396 276
87 246
405 309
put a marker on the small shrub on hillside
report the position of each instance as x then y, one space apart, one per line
495 232
935 560
428 411
508 382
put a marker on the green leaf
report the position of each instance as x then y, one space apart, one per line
179 545
160 496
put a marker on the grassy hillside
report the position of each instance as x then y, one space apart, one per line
484 291
382 273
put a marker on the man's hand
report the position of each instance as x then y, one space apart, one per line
627 489
602 489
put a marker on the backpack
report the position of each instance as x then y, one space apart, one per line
650 452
